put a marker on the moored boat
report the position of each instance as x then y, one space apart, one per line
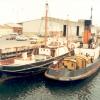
82 65
27 65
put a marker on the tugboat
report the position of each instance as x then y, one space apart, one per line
84 63
77 67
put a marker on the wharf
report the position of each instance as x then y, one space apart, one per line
7 46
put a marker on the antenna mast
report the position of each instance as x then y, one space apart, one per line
91 13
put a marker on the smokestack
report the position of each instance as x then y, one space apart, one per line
87 31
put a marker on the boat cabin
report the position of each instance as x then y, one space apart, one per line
54 50
77 62
73 62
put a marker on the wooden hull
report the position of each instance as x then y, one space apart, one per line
65 75
28 69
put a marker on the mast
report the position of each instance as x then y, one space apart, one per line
91 13
46 22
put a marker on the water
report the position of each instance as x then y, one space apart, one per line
40 88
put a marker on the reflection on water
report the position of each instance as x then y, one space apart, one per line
39 88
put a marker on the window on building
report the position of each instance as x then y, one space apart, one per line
77 31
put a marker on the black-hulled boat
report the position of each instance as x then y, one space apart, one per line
27 65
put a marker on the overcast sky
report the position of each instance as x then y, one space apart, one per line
24 10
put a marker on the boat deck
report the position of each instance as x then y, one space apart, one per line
28 61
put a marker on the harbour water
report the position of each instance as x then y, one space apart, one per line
40 88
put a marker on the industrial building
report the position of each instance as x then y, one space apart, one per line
65 27
56 26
